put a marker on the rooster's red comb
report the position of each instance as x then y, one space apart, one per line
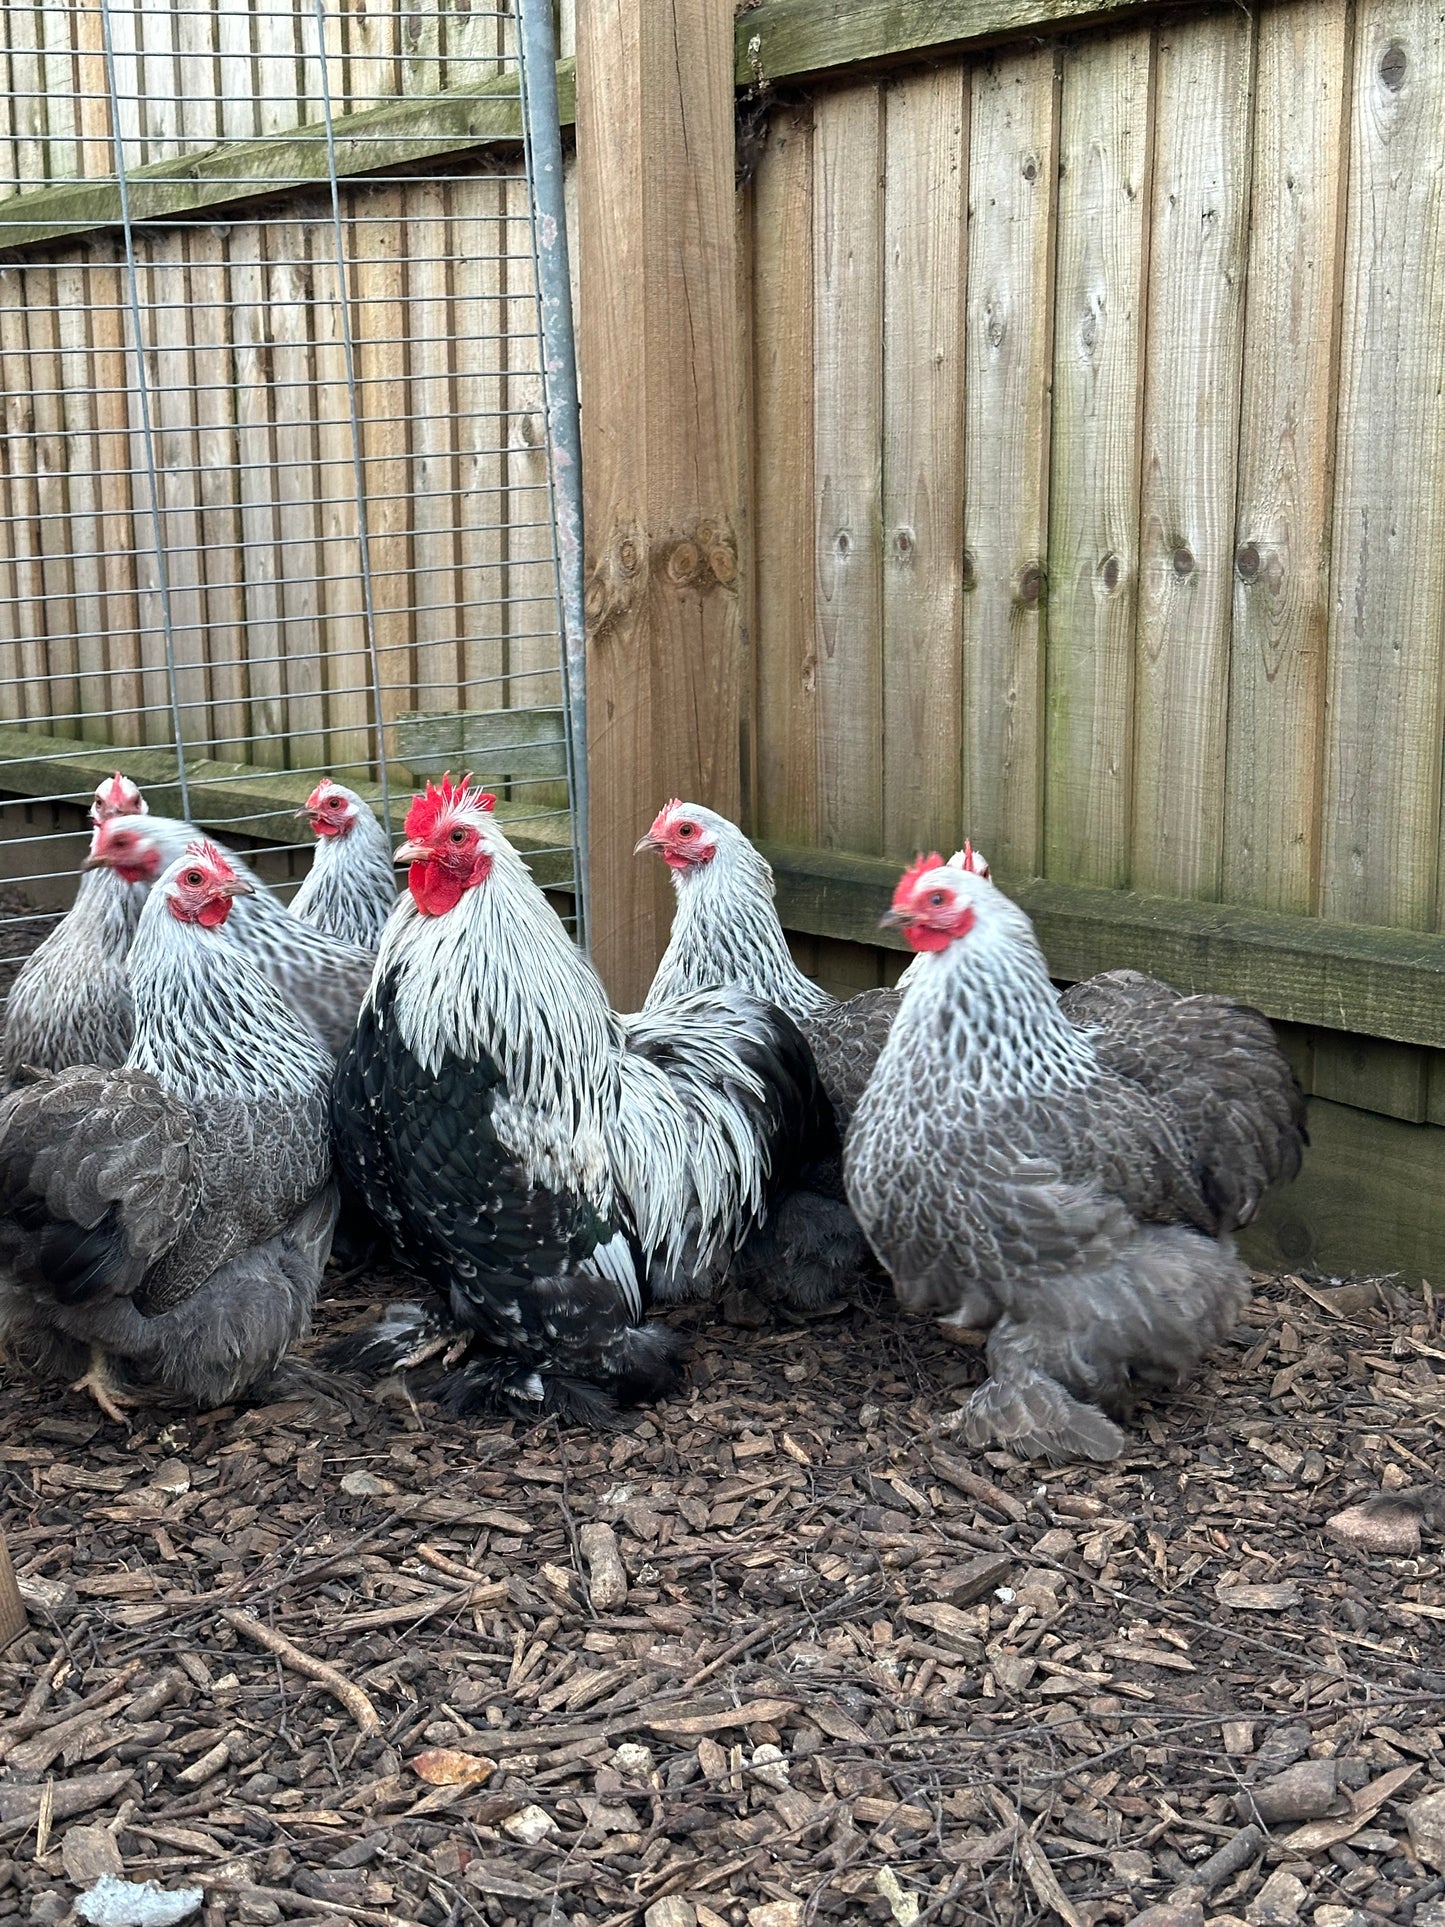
438 799
204 851
117 796
974 860
919 868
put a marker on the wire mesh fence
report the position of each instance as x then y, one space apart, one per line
276 494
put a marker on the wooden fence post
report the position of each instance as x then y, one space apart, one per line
12 1607
662 386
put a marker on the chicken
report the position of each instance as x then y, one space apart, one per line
1071 1190
175 1212
322 977
726 931
351 886
547 1166
70 1002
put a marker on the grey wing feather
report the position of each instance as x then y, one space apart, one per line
1214 1067
85 1142
846 1040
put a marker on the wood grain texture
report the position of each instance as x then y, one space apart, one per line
1200 208
293 364
1093 565
117 519
782 515
220 516
1013 173
847 465
1387 619
925 161
1282 523
661 373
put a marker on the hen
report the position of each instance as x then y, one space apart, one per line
70 1003
175 1212
351 885
1045 1182
547 1166
726 931
322 977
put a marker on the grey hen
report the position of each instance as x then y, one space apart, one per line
350 889
176 1212
70 1002
324 978
1071 1190
726 933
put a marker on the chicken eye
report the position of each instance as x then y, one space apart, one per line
459 836
687 829
194 879
937 897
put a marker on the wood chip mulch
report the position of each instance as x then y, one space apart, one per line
340 1658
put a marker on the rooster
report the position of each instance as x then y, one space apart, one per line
1042 1179
70 1003
546 1165
726 932
174 1212
322 977
351 886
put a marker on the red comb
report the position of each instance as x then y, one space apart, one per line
428 809
206 852
973 861
920 867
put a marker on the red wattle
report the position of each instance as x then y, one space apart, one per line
213 912
434 890
323 828
919 938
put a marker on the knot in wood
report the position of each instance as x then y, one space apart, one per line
904 544
1394 63
722 560
1246 561
682 561
1031 167
1109 573
1183 560
1030 584
970 570
629 557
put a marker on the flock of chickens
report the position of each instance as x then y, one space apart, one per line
201 1080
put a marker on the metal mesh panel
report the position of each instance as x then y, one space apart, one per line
276 497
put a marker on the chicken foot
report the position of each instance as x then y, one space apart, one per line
452 1345
101 1386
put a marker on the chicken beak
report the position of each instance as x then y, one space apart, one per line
412 853
648 842
894 920
89 862
234 887
304 812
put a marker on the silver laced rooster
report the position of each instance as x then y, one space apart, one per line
173 1213
544 1164
726 931
351 885
1067 1190
322 977
70 1002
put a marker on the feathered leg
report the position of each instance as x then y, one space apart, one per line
1023 1408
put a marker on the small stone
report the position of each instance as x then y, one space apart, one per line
1426 1820
87 1853
366 1485
606 1574
121 1903
1238 1738
777 1913
48 1910
530 1826
1302 1792
769 1764
634 1761
1013 1671
1332 1916
255 1910
1171 1913
1278 1901
674 1911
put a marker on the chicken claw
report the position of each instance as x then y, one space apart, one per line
104 1390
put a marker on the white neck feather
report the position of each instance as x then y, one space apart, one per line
726 931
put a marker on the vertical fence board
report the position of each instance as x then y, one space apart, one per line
173 410
118 525
1012 185
1386 676
159 76
27 80
434 464
220 513
847 480
83 525
527 533
1281 573
1191 424
786 639
97 151
479 286
235 41
52 501
58 71
294 373
926 141
256 451
1093 567
17 385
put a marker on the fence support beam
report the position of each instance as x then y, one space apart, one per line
662 400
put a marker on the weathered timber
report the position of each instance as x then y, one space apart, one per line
251 800
12 1606
660 365
1380 983
790 39
402 134
1369 1199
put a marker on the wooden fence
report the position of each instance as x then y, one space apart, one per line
1044 443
